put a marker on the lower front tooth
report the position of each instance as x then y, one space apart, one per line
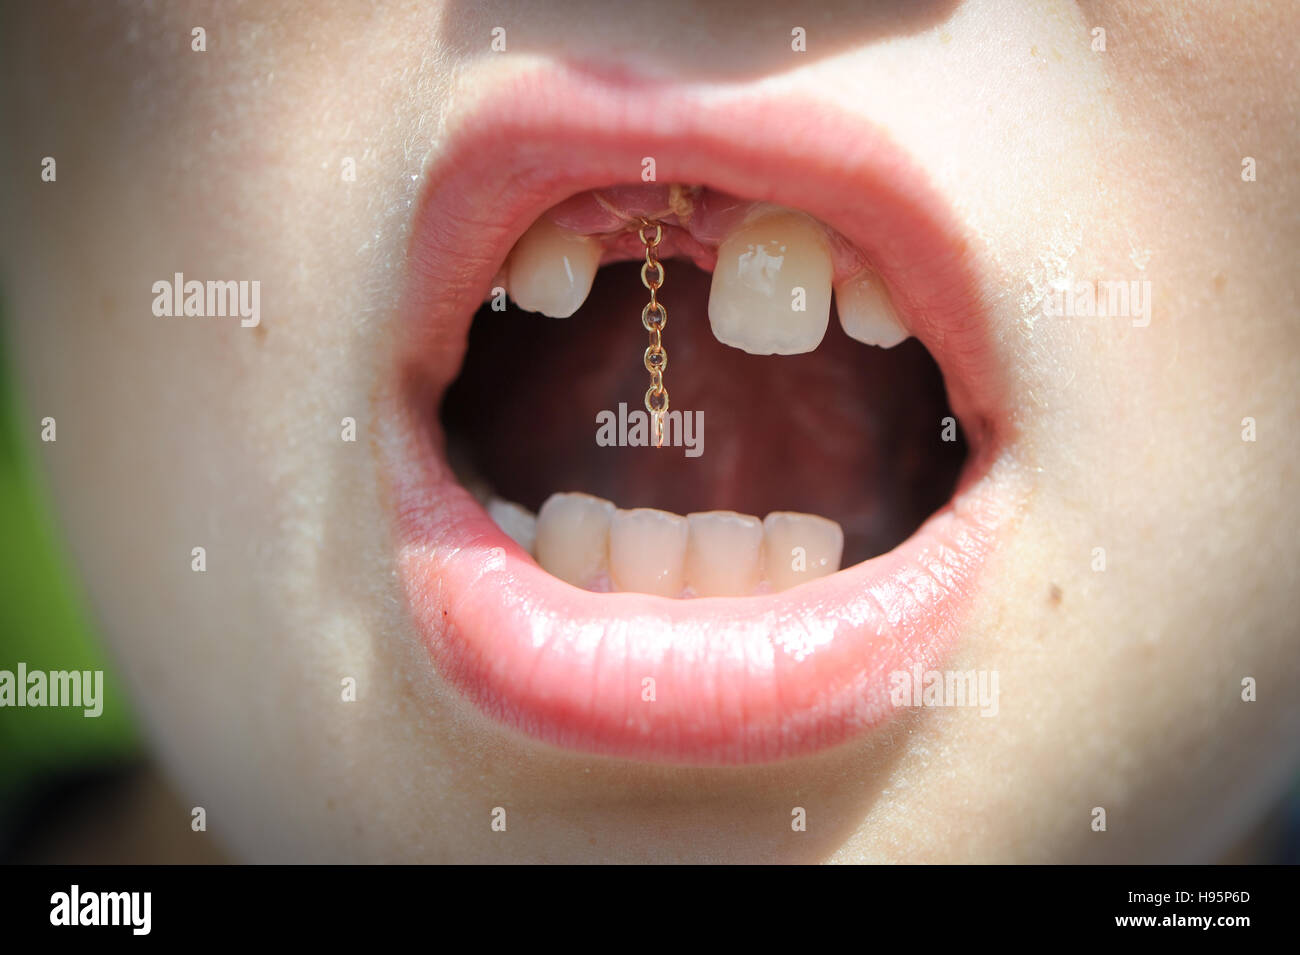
866 312
647 551
573 537
518 522
723 555
771 292
550 270
799 548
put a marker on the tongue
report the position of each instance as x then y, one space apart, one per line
849 432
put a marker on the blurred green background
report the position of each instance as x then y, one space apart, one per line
45 623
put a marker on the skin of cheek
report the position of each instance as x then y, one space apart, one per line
1121 695
179 433
1137 433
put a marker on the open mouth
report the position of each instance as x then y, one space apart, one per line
773 469
829 480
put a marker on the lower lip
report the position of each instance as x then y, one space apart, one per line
717 681
705 682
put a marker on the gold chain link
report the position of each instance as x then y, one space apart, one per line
653 318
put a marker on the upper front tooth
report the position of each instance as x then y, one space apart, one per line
647 551
800 547
723 555
866 312
551 269
771 291
573 537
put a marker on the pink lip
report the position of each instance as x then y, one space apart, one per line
705 681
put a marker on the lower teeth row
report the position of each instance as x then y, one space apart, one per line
588 542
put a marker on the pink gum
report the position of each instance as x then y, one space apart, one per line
695 219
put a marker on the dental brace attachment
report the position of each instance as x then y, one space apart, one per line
653 318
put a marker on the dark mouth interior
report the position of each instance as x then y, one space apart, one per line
848 431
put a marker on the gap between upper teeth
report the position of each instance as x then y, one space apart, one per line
762 260
588 542
773 281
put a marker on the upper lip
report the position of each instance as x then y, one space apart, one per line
731 680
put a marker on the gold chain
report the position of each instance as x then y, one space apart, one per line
654 317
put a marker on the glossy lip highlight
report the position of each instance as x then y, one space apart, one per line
705 681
